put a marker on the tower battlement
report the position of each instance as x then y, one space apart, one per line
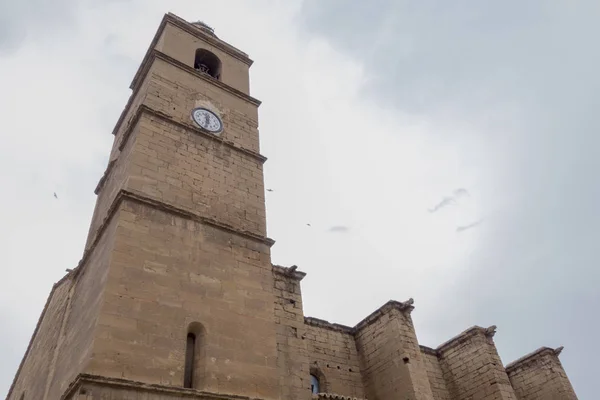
176 296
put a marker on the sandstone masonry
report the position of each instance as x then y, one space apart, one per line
176 297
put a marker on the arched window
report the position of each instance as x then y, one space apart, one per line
314 384
193 372
190 349
208 63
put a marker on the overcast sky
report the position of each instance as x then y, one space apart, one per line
445 151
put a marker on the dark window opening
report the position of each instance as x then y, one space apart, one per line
208 63
314 384
189 360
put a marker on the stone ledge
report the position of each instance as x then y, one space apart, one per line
171 209
532 357
321 323
290 272
125 384
238 93
144 109
189 127
428 350
165 207
403 307
334 396
464 336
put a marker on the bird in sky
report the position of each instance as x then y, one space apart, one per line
55 196
469 226
446 201
339 228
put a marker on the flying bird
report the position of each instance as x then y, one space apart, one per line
469 226
339 228
460 192
55 196
446 201
307 224
269 190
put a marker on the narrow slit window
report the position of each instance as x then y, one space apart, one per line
189 361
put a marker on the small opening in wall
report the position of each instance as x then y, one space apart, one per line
406 360
338 367
314 384
349 369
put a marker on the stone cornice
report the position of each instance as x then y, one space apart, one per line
333 396
321 323
156 54
165 207
105 175
403 307
428 350
532 357
145 110
466 335
212 40
290 272
125 384
171 209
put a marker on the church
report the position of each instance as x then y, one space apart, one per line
176 297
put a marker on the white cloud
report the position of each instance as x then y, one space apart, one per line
335 158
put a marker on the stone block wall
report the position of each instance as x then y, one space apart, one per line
472 367
292 353
540 376
435 374
334 358
391 362
109 187
205 275
197 173
62 346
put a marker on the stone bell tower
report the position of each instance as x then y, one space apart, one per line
175 288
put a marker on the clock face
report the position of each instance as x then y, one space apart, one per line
207 120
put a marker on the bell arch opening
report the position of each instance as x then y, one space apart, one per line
208 63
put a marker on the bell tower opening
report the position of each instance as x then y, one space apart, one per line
208 63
